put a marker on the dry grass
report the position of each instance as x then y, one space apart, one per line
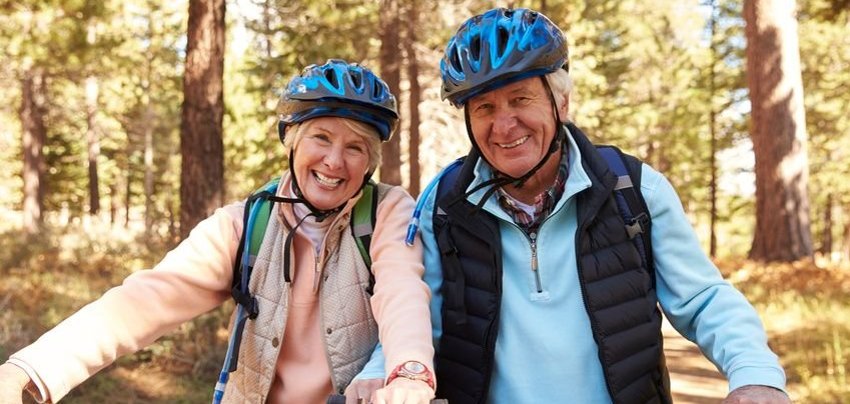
806 309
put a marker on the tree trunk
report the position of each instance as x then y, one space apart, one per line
201 146
845 248
712 121
34 135
412 24
778 132
128 196
93 144
113 202
391 73
826 235
149 168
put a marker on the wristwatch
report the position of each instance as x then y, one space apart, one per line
412 370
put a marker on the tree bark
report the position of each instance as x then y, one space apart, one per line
391 74
201 145
778 131
34 135
412 24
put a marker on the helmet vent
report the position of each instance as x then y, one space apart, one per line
332 78
475 47
356 79
376 92
454 59
502 36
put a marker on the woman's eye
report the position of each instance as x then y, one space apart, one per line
356 148
322 138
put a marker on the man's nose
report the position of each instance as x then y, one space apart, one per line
503 122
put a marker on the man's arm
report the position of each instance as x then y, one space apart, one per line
696 299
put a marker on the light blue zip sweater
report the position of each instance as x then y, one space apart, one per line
545 351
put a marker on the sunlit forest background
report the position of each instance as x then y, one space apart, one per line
124 123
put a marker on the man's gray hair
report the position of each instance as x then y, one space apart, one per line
561 84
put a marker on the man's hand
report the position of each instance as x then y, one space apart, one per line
404 391
362 388
13 380
757 395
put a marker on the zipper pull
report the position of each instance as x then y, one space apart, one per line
533 237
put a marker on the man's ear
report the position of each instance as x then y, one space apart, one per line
564 109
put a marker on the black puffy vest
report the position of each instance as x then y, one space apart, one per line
619 293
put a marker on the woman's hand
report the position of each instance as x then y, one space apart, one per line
13 380
361 388
404 391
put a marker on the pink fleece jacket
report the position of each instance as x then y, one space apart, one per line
195 278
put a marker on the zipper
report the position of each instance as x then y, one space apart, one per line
317 273
534 264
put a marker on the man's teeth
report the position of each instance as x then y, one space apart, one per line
515 143
327 180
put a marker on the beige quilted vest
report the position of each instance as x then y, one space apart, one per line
346 316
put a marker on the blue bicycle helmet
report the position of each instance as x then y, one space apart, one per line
498 47
341 89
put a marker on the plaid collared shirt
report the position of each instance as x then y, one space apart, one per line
543 203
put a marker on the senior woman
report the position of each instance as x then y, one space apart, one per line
316 318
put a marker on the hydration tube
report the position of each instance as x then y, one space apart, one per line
413 224
241 316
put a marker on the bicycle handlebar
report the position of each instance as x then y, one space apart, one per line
340 399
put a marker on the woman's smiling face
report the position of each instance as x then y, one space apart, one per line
331 161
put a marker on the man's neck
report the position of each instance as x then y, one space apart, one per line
542 180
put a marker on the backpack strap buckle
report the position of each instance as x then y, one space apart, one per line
247 301
637 225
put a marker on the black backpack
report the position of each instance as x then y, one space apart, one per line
627 194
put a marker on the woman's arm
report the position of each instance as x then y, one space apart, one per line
192 279
401 300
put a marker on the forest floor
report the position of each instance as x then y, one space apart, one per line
805 307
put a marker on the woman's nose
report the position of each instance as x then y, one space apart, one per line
333 158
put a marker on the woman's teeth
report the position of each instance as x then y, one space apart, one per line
324 180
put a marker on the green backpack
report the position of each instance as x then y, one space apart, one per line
258 210
255 223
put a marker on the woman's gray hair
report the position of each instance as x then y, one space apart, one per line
366 131
561 84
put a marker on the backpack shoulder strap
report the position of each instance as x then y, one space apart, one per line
629 199
363 220
254 222
448 181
